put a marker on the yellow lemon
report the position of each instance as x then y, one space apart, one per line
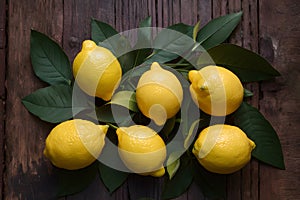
159 94
216 90
142 150
75 144
96 70
223 149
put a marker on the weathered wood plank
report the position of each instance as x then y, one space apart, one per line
249 28
205 11
2 135
144 187
243 184
98 191
279 33
2 24
27 175
77 18
2 87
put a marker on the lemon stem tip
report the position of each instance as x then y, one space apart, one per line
203 88
88 45
155 66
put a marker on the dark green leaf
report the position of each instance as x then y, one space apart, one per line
218 30
49 61
143 47
74 181
268 147
101 31
190 114
171 42
130 79
52 104
212 185
179 183
113 113
168 126
146 22
247 93
112 178
182 28
191 134
125 99
106 36
133 58
173 163
247 65
144 34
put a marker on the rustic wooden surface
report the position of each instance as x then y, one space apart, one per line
268 27
2 87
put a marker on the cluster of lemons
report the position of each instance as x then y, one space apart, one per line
77 143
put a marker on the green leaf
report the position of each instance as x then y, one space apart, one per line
168 126
191 133
109 113
179 183
52 104
74 181
268 147
182 28
101 31
133 58
247 65
130 79
144 43
49 61
111 178
212 185
196 30
146 22
144 33
247 93
172 42
125 99
218 30
106 36
173 163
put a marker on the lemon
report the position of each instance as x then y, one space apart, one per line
216 90
142 150
159 94
223 149
75 144
96 70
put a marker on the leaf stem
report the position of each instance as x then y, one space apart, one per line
112 126
177 64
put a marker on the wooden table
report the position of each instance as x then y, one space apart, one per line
269 27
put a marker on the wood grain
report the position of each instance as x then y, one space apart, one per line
77 20
243 184
268 27
2 88
279 33
27 175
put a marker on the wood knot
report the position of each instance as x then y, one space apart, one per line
267 48
73 42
